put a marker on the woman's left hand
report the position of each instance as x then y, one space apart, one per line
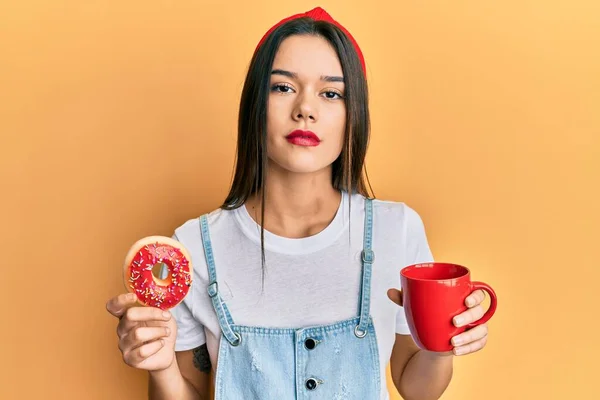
471 340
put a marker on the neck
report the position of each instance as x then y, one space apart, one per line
296 204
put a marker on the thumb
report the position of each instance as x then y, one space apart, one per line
395 295
119 304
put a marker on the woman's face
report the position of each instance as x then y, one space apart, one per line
306 95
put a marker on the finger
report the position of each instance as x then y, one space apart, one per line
469 316
141 335
134 315
470 336
119 304
139 354
395 295
145 314
475 298
471 347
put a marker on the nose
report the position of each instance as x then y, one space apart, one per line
305 109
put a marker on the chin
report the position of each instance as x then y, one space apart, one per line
302 165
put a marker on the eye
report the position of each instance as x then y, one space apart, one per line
331 95
282 88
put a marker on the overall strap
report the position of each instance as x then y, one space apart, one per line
225 320
368 256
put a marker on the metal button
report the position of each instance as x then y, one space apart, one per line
310 343
238 339
311 384
358 333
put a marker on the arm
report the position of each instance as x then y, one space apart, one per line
188 377
419 374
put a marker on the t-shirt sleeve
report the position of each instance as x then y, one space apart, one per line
417 251
190 332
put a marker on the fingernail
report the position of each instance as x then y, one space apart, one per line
458 321
168 331
456 341
460 350
162 342
166 314
131 296
470 301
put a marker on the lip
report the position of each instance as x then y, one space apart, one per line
303 138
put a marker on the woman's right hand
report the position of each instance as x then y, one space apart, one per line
146 334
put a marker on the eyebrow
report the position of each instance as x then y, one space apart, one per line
294 75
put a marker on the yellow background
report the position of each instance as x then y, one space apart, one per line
118 121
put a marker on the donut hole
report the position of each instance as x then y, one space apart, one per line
161 272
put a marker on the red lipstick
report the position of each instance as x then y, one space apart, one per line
303 138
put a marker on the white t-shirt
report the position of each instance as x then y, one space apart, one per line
308 281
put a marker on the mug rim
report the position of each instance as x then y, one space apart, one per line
466 271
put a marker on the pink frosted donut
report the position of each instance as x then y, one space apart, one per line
152 291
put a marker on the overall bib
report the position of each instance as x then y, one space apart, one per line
339 361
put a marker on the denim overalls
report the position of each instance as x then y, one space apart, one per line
329 362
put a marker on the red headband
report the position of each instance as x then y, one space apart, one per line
318 14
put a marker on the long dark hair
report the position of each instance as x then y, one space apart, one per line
348 170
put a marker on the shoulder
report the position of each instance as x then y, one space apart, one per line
189 235
397 212
403 222
189 230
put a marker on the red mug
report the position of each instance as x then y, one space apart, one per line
433 294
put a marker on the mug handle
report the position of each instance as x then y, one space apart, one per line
488 314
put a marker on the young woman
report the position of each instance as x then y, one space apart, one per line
294 275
